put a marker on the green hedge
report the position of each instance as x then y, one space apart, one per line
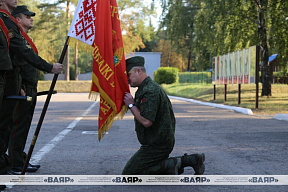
66 86
195 77
166 75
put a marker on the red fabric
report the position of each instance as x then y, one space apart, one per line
109 67
5 30
29 41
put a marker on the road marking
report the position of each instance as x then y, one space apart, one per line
49 146
91 133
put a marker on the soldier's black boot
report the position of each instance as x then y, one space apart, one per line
2 187
196 161
171 166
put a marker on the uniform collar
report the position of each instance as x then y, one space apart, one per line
145 82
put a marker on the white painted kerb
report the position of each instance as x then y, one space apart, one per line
281 116
237 109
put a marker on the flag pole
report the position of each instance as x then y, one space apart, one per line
44 110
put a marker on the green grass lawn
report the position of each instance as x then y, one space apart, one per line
66 86
277 103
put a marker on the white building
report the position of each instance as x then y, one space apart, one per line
152 61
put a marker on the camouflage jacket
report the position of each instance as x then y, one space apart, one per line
154 105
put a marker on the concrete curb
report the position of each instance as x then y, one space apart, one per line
237 109
281 116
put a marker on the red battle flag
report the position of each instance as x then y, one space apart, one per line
96 23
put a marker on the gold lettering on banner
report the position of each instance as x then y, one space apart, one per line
114 10
105 70
105 107
96 54
113 84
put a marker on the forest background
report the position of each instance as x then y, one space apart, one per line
189 35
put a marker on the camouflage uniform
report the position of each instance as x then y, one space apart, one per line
157 141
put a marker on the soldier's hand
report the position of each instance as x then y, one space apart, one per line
128 99
22 92
57 68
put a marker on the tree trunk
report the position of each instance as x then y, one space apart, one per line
189 57
67 70
168 59
266 69
190 41
76 61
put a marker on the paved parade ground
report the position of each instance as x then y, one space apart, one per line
234 144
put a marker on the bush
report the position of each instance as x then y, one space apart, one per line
167 75
41 75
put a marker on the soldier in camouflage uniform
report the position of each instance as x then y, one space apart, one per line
155 127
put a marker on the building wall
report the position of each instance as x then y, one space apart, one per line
152 61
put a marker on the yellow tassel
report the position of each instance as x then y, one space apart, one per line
110 120
113 116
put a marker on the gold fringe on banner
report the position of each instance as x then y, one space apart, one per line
93 95
110 120
113 116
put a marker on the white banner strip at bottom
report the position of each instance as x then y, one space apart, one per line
143 180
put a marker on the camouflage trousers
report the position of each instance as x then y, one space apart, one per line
149 160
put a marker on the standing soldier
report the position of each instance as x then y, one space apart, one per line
19 52
25 110
5 64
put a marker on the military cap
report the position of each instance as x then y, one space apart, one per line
136 61
22 9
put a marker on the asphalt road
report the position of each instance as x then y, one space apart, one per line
234 144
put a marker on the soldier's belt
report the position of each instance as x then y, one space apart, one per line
18 97
28 98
